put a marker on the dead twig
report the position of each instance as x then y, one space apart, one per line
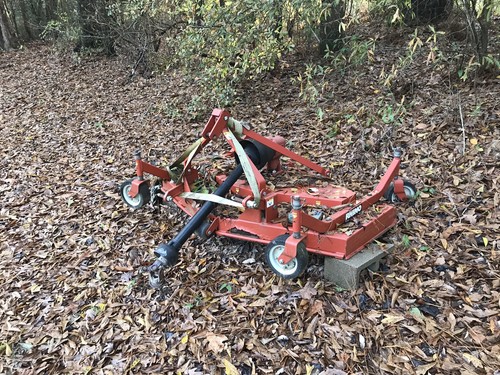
462 123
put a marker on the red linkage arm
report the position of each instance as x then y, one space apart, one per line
286 152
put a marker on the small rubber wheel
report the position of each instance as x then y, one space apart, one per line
409 189
140 199
292 269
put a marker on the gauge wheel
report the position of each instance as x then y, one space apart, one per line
295 267
409 189
140 199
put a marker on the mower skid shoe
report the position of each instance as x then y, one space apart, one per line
167 256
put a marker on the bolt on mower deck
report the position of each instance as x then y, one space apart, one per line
312 217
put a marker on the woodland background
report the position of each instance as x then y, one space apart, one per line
84 83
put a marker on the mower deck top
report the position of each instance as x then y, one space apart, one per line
329 195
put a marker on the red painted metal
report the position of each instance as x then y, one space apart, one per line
216 124
142 167
138 167
290 251
293 241
399 190
323 236
286 152
275 164
155 171
134 188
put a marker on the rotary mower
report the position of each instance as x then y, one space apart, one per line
292 221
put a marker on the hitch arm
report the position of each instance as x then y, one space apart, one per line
245 130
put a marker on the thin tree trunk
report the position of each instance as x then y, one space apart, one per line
50 9
24 14
11 14
38 15
8 41
484 21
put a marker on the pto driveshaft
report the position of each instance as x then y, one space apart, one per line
168 254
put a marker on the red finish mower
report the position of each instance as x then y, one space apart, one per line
291 221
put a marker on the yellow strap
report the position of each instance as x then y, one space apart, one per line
189 154
237 127
186 153
246 164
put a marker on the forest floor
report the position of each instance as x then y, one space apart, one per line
74 295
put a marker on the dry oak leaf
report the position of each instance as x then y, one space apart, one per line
307 292
260 302
474 360
216 342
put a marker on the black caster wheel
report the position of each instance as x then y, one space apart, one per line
140 199
409 188
292 269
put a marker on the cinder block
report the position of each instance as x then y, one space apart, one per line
346 273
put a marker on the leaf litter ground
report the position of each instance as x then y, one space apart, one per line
74 296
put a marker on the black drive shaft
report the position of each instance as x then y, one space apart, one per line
168 254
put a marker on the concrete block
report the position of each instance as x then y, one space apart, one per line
346 273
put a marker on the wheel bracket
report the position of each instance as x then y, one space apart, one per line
135 186
399 190
290 251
